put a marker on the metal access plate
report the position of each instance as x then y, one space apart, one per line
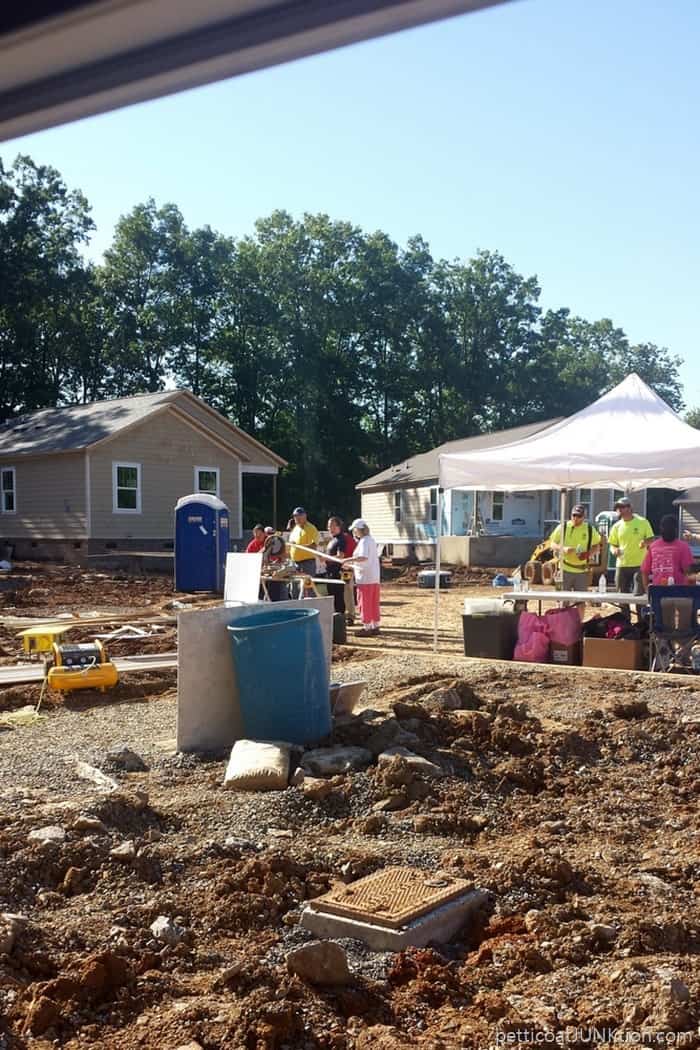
393 896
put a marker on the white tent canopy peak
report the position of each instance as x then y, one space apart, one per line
628 439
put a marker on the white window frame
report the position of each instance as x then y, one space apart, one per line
398 507
615 494
115 469
586 502
501 504
434 502
209 470
551 510
13 490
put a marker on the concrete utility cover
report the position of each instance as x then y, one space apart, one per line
392 897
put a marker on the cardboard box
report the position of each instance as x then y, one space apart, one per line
622 653
565 654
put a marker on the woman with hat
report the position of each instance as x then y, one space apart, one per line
365 565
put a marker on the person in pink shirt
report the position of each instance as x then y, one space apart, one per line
667 559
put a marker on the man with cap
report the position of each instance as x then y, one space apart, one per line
580 540
306 534
629 538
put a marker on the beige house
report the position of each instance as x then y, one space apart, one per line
400 505
89 479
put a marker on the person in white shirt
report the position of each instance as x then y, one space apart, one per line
365 565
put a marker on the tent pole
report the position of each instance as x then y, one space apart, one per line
436 613
562 527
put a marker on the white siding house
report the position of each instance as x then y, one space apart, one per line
400 505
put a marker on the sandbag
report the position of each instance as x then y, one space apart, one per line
563 625
256 766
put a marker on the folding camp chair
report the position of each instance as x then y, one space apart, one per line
673 626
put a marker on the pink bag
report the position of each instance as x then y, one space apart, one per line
533 639
563 625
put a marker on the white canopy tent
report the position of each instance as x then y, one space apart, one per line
628 439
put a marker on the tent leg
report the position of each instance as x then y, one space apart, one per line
436 612
562 527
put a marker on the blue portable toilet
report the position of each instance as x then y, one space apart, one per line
201 542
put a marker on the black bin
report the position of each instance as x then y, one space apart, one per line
426 578
491 636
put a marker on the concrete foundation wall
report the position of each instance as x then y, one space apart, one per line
65 552
410 551
486 551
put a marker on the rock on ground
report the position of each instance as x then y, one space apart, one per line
328 761
320 962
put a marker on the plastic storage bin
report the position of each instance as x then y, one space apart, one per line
426 578
490 635
280 665
479 606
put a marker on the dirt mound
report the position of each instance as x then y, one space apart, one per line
164 918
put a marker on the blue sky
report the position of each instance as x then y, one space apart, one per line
562 133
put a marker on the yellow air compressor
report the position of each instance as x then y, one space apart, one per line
81 666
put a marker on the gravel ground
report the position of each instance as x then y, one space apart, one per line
570 795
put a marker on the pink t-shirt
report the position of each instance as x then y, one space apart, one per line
667 559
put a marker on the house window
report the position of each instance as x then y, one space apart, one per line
8 501
585 496
397 506
206 479
126 488
551 511
434 504
498 500
615 495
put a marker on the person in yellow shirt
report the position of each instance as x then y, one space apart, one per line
629 538
580 540
306 534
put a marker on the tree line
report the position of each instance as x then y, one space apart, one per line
341 350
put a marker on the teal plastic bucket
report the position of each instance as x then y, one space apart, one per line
280 666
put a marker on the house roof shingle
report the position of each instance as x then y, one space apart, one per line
76 427
424 468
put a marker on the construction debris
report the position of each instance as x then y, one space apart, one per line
88 772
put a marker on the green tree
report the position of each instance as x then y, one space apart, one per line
656 366
141 282
43 281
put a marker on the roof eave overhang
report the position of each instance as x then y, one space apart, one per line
49 74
